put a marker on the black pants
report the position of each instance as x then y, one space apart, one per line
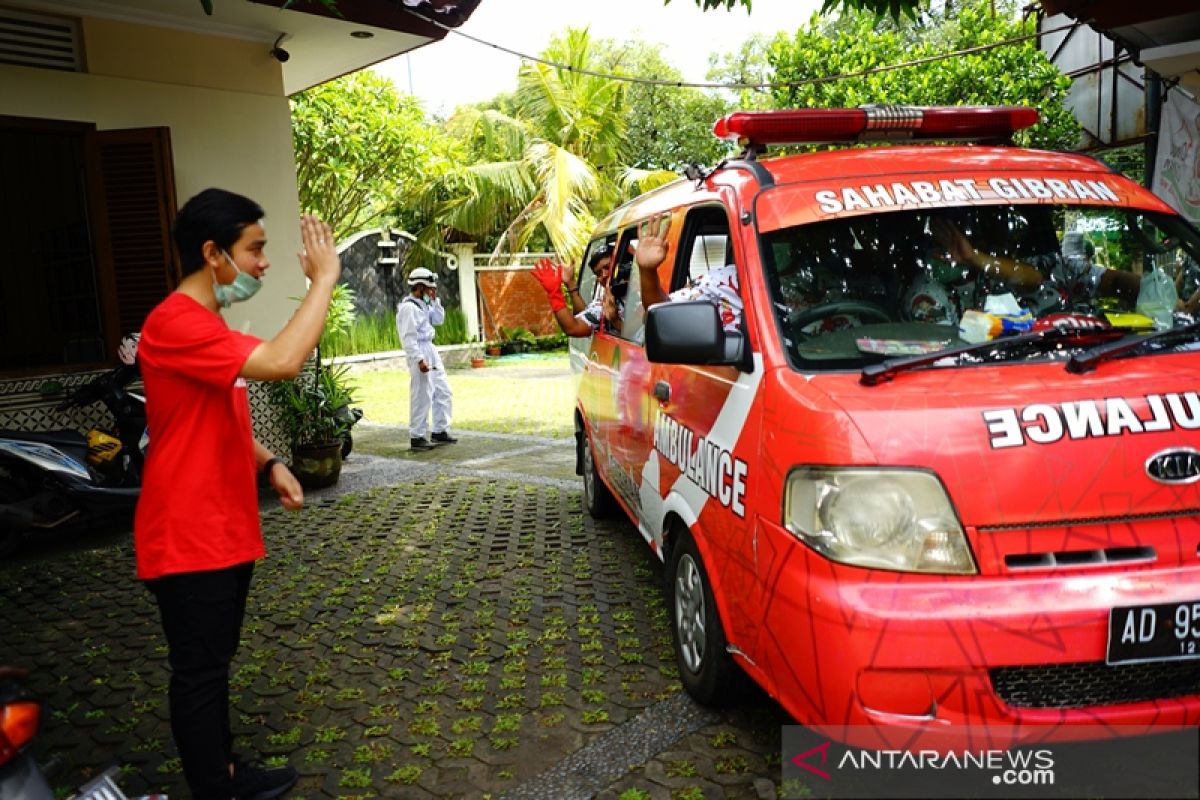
202 618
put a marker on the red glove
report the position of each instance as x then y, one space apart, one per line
550 276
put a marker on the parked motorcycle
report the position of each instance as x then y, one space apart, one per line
349 416
49 479
21 778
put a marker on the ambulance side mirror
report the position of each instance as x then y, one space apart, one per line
690 333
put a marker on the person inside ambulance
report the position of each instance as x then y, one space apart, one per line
837 274
1049 277
582 320
718 286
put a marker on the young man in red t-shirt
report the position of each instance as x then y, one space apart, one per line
197 532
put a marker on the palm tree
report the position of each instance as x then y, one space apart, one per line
552 164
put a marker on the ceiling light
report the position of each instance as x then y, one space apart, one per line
361 34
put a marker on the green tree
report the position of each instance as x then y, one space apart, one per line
879 8
749 66
552 164
359 144
1017 74
667 127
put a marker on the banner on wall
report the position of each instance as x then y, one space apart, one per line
1177 167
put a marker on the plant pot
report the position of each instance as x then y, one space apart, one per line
513 347
477 361
317 465
493 351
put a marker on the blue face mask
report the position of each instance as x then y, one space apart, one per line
244 286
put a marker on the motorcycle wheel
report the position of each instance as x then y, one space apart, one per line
347 444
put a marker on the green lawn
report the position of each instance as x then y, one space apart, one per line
532 395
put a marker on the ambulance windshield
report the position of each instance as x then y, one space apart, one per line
857 290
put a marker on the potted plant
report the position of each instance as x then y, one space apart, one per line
516 340
493 349
312 409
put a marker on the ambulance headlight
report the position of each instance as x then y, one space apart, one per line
879 518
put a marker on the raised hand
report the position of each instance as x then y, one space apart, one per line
319 260
550 276
652 246
947 234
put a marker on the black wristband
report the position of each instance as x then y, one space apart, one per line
572 289
269 465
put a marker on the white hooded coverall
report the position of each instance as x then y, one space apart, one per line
414 322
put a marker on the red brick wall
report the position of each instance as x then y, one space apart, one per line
513 298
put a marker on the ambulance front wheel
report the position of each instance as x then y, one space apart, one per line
597 499
705 666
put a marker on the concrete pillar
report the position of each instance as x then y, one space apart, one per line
464 253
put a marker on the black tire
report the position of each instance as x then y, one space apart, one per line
347 444
597 499
706 669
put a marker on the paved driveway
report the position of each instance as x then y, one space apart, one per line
446 624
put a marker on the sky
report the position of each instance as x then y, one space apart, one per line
455 70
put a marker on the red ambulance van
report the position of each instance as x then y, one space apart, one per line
946 470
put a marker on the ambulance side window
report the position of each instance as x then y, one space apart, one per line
587 280
628 289
705 245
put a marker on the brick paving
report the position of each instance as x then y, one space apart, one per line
438 625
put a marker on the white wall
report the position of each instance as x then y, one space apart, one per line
236 140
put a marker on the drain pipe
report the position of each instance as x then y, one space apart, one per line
1153 122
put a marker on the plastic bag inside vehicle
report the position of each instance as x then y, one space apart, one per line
854 291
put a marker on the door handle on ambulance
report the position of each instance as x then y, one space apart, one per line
662 391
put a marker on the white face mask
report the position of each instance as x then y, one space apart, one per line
243 287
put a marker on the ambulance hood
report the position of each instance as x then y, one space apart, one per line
1028 443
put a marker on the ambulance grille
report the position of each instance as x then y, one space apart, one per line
1095 683
1080 558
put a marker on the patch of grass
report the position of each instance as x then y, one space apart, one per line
328 735
732 765
408 774
544 410
425 726
507 722
287 737
355 778
680 769
723 739
634 794
370 753
461 726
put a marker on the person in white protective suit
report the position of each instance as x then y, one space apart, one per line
415 317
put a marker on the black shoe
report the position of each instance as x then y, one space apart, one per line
444 438
419 443
259 783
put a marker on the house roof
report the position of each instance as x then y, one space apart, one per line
1162 34
321 44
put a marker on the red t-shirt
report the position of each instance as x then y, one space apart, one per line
199 504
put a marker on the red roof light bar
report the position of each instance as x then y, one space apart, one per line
811 125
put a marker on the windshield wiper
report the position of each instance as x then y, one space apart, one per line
885 370
1087 360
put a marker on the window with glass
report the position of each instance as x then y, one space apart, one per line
859 290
